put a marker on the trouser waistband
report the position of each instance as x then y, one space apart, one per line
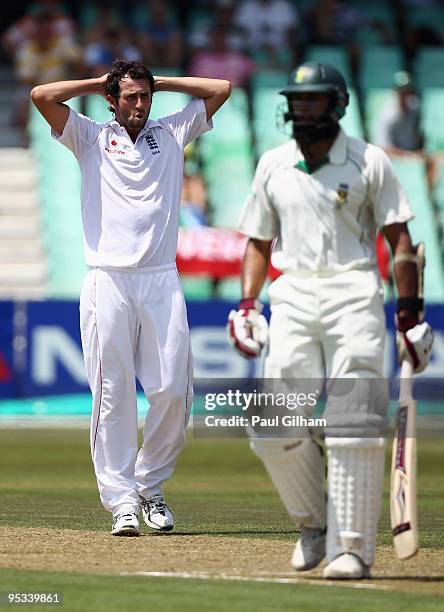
164 268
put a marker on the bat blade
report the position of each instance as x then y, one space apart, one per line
403 510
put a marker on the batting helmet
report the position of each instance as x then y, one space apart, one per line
314 77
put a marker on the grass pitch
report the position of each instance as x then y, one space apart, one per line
54 535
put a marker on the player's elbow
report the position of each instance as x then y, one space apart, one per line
36 94
225 89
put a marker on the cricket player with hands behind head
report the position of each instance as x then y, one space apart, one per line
321 197
132 311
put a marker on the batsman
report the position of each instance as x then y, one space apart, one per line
315 205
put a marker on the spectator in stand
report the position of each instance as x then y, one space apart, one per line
193 206
399 131
268 23
399 127
271 29
332 22
44 56
24 30
97 18
422 35
161 40
99 56
426 32
219 15
194 202
220 62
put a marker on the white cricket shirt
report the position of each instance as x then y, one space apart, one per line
131 192
325 221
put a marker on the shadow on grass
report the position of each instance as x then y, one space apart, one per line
403 578
415 578
218 532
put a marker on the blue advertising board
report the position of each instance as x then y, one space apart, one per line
40 349
7 379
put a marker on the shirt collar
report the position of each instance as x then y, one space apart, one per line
337 154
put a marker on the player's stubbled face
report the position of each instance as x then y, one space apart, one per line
134 103
310 105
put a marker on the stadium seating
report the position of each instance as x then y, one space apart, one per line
438 192
329 54
97 108
228 160
428 67
374 103
266 133
166 103
378 65
59 190
432 118
228 153
412 175
429 16
265 87
377 11
351 122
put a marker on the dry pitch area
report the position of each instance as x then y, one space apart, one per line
230 526
197 555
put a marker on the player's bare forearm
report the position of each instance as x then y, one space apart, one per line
405 272
61 91
214 92
49 98
193 86
255 267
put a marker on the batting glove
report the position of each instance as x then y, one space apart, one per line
247 328
414 342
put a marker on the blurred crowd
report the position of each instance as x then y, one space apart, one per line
228 39
225 38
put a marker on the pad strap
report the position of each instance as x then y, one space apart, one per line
410 257
413 305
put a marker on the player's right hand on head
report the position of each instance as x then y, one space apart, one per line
414 342
247 328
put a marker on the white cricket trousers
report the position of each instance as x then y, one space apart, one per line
134 323
326 326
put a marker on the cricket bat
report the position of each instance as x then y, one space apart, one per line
403 511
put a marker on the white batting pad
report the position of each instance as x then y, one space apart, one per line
355 481
357 408
297 470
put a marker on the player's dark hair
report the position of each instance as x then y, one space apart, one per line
122 68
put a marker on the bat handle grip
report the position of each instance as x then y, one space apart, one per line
406 381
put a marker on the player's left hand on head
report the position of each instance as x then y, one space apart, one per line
247 328
414 341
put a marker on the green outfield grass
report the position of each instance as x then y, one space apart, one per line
219 489
108 593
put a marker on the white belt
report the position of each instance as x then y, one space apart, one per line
148 270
